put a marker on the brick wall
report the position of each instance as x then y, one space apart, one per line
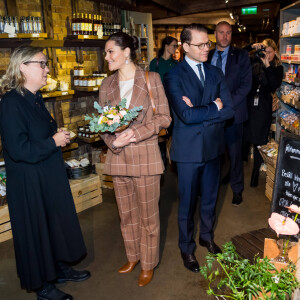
73 110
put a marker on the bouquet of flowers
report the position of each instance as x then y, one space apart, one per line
112 118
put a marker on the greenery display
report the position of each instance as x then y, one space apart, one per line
236 278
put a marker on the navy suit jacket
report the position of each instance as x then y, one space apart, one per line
198 133
238 74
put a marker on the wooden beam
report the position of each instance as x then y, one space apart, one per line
47 17
122 4
11 7
171 5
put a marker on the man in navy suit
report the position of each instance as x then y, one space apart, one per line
235 64
201 102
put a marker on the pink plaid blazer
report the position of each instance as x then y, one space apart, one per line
142 157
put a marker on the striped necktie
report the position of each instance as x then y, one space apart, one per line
201 74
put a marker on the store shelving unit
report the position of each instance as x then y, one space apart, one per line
287 14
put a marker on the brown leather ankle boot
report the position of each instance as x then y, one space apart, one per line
145 277
128 267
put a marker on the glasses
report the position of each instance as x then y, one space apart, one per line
201 46
43 64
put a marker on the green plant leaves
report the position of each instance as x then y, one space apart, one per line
244 279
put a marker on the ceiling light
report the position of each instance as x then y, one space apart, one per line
239 29
226 1
244 28
231 16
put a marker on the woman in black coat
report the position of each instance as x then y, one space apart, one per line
267 73
46 232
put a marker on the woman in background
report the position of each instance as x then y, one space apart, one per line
46 232
267 73
178 56
164 61
133 157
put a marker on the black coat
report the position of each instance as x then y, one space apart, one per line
260 117
44 221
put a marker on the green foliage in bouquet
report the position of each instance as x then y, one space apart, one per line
112 118
236 278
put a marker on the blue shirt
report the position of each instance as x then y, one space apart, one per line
193 64
224 58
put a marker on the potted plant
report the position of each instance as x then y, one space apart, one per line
236 278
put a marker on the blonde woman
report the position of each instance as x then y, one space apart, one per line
267 74
46 232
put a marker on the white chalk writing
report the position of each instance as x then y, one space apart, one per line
291 149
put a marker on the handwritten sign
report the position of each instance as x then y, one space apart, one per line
287 179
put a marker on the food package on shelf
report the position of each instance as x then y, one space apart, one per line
52 85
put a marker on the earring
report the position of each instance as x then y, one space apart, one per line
126 61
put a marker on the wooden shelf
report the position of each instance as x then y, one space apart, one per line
57 94
290 36
86 37
291 61
87 88
88 140
23 36
70 147
291 82
287 101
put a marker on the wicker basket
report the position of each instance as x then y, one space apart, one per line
267 159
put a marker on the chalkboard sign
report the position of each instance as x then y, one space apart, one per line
287 179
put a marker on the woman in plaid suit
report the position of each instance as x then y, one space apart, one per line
133 157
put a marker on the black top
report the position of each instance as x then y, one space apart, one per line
42 213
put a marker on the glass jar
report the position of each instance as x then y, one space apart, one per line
76 81
80 71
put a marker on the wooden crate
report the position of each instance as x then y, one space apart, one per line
86 192
5 227
106 180
269 191
271 172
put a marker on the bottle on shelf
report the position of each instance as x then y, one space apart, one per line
39 24
1 24
82 26
35 25
74 24
16 24
29 25
90 22
86 24
95 25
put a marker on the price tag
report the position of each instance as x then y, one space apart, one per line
95 89
35 34
85 36
64 93
12 35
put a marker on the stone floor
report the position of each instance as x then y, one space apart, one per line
100 226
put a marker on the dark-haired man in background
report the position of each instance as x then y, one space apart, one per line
201 102
235 64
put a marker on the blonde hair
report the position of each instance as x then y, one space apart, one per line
14 78
270 43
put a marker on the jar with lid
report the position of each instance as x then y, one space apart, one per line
76 81
76 71
81 81
1 24
80 71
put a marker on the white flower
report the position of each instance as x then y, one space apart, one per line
100 119
110 116
105 108
123 112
